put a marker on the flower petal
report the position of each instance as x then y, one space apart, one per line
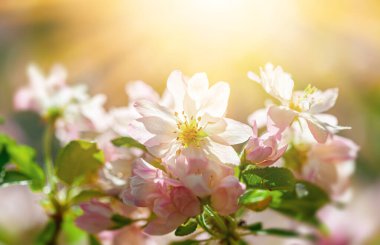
323 101
279 118
177 88
223 153
216 100
234 133
159 125
319 132
138 90
197 87
147 108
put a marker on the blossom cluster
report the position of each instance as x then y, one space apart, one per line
170 159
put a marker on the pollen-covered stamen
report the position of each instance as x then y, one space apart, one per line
189 132
302 102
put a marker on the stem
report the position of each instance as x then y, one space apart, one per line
47 147
219 221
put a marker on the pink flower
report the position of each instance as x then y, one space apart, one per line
96 217
200 175
44 94
332 164
197 123
265 150
296 105
172 203
225 196
128 235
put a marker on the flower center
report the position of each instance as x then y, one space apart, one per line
189 132
302 102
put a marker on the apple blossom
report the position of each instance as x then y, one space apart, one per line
264 150
302 105
197 123
331 165
172 203
48 94
225 196
96 218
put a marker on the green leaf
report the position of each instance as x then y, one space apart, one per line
185 242
128 142
120 221
70 232
93 240
77 160
271 178
86 195
13 177
259 200
46 234
254 227
23 158
278 232
303 202
187 228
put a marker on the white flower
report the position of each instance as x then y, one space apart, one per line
196 126
47 94
302 105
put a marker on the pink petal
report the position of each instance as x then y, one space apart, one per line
279 119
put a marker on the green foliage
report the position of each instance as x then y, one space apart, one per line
254 227
257 229
23 159
271 178
86 195
70 233
279 232
303 202
92 240
278 189
258 200
120 221
78 160
186 242
46 234
128 142
187 228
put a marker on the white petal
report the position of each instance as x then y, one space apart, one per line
57 76
323 101
138 90
280 118
137 131
319 132
216 101
234 133
260 117
197 87
147 108
223 153
177 88
159 125
275 82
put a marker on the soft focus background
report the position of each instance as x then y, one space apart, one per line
107 43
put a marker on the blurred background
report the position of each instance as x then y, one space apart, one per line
105 44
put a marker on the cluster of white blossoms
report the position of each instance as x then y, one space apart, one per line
183 159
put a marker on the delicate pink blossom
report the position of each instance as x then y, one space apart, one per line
332 164
44 94
167 198
296 105
225 196
264 150
96 217
197 123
